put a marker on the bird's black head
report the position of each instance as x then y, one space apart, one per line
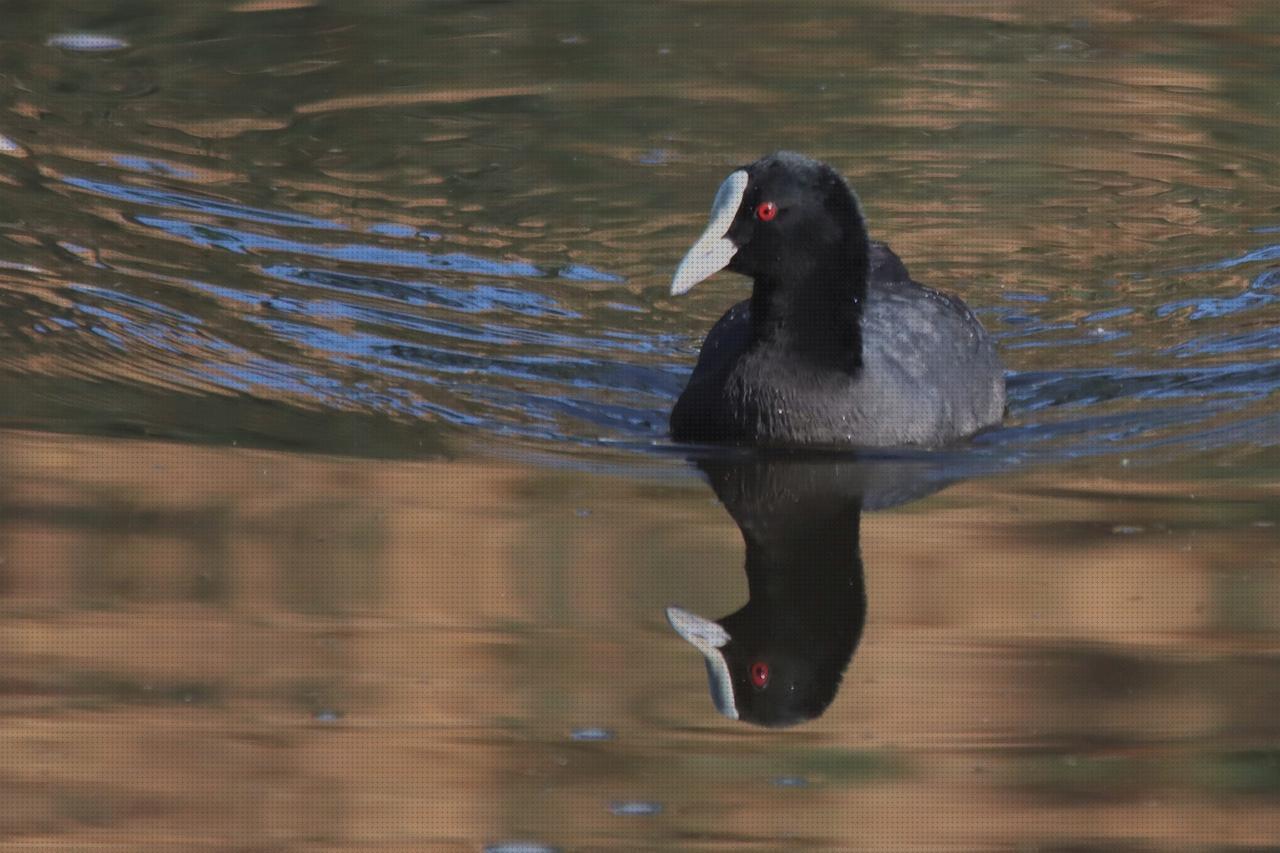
795 227
798 217
784 218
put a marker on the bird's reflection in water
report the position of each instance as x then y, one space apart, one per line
779 660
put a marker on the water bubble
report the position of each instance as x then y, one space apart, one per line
635 808
790 782
655 157
87 42
591 734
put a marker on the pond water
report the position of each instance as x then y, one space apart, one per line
336 505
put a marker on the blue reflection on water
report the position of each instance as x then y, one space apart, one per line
1265 253
477 298
138 302
581 272
243 242
1109 314
1033 390
1210 306
393 229
174 200
152 166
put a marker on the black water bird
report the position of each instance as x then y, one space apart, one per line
779 660
837 346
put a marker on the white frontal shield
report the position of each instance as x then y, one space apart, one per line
714 250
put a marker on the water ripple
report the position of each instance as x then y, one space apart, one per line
448 249
174 200
245 242
475 299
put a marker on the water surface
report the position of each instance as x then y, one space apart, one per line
336 505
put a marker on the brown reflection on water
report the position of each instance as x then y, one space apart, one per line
221 648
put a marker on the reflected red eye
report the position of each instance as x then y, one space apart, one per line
765 211
759 673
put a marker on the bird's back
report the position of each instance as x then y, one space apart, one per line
930 375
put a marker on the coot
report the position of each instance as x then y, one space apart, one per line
837 346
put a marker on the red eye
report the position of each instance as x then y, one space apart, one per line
765 211
759 673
